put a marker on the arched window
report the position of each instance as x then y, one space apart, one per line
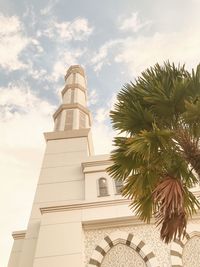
103 187
118 187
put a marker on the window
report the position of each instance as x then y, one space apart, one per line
72 95
57 122
103 187
69 120
82 120
118 187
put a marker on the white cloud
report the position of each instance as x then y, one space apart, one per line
102 132
21 109
77 30
47 10
92 97
9 25
30 15
102 114
142 52
102 137
101 57
64 60
12 43
133 23
36 73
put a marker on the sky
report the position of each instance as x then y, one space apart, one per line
113 40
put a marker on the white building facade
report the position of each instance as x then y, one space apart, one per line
79 218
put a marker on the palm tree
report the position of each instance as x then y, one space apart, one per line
159 157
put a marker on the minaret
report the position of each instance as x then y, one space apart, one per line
73 118
73 114
61 178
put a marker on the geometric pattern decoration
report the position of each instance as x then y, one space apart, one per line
122 255
178 247
192 259
129 240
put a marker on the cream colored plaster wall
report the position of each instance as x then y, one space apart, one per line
61 233
60 179
68 190
69 79
15 253
80 79
73 260
60 240
81 97
67 97
60 174
28 252
62 159
66 145
108 212
76 119
62 120
93 173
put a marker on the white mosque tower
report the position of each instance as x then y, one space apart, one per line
79 218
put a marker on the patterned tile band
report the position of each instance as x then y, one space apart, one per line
131 241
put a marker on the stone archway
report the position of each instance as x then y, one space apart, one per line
177 247
121 255
129 240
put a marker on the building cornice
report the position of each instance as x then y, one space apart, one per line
114 222
123 222
77 133
72 106
73 87
96 163
19 235
75 69
84 205
95 166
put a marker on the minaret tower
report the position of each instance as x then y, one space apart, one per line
61 180
73 114
73 118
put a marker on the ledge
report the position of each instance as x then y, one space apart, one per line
73 86
66 134
19 234
84 205
75 69
114 222
72 106
96 163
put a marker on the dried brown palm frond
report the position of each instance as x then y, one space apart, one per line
169 198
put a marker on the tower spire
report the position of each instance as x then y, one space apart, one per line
73 113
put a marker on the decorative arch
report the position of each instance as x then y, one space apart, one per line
122 238
177 246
